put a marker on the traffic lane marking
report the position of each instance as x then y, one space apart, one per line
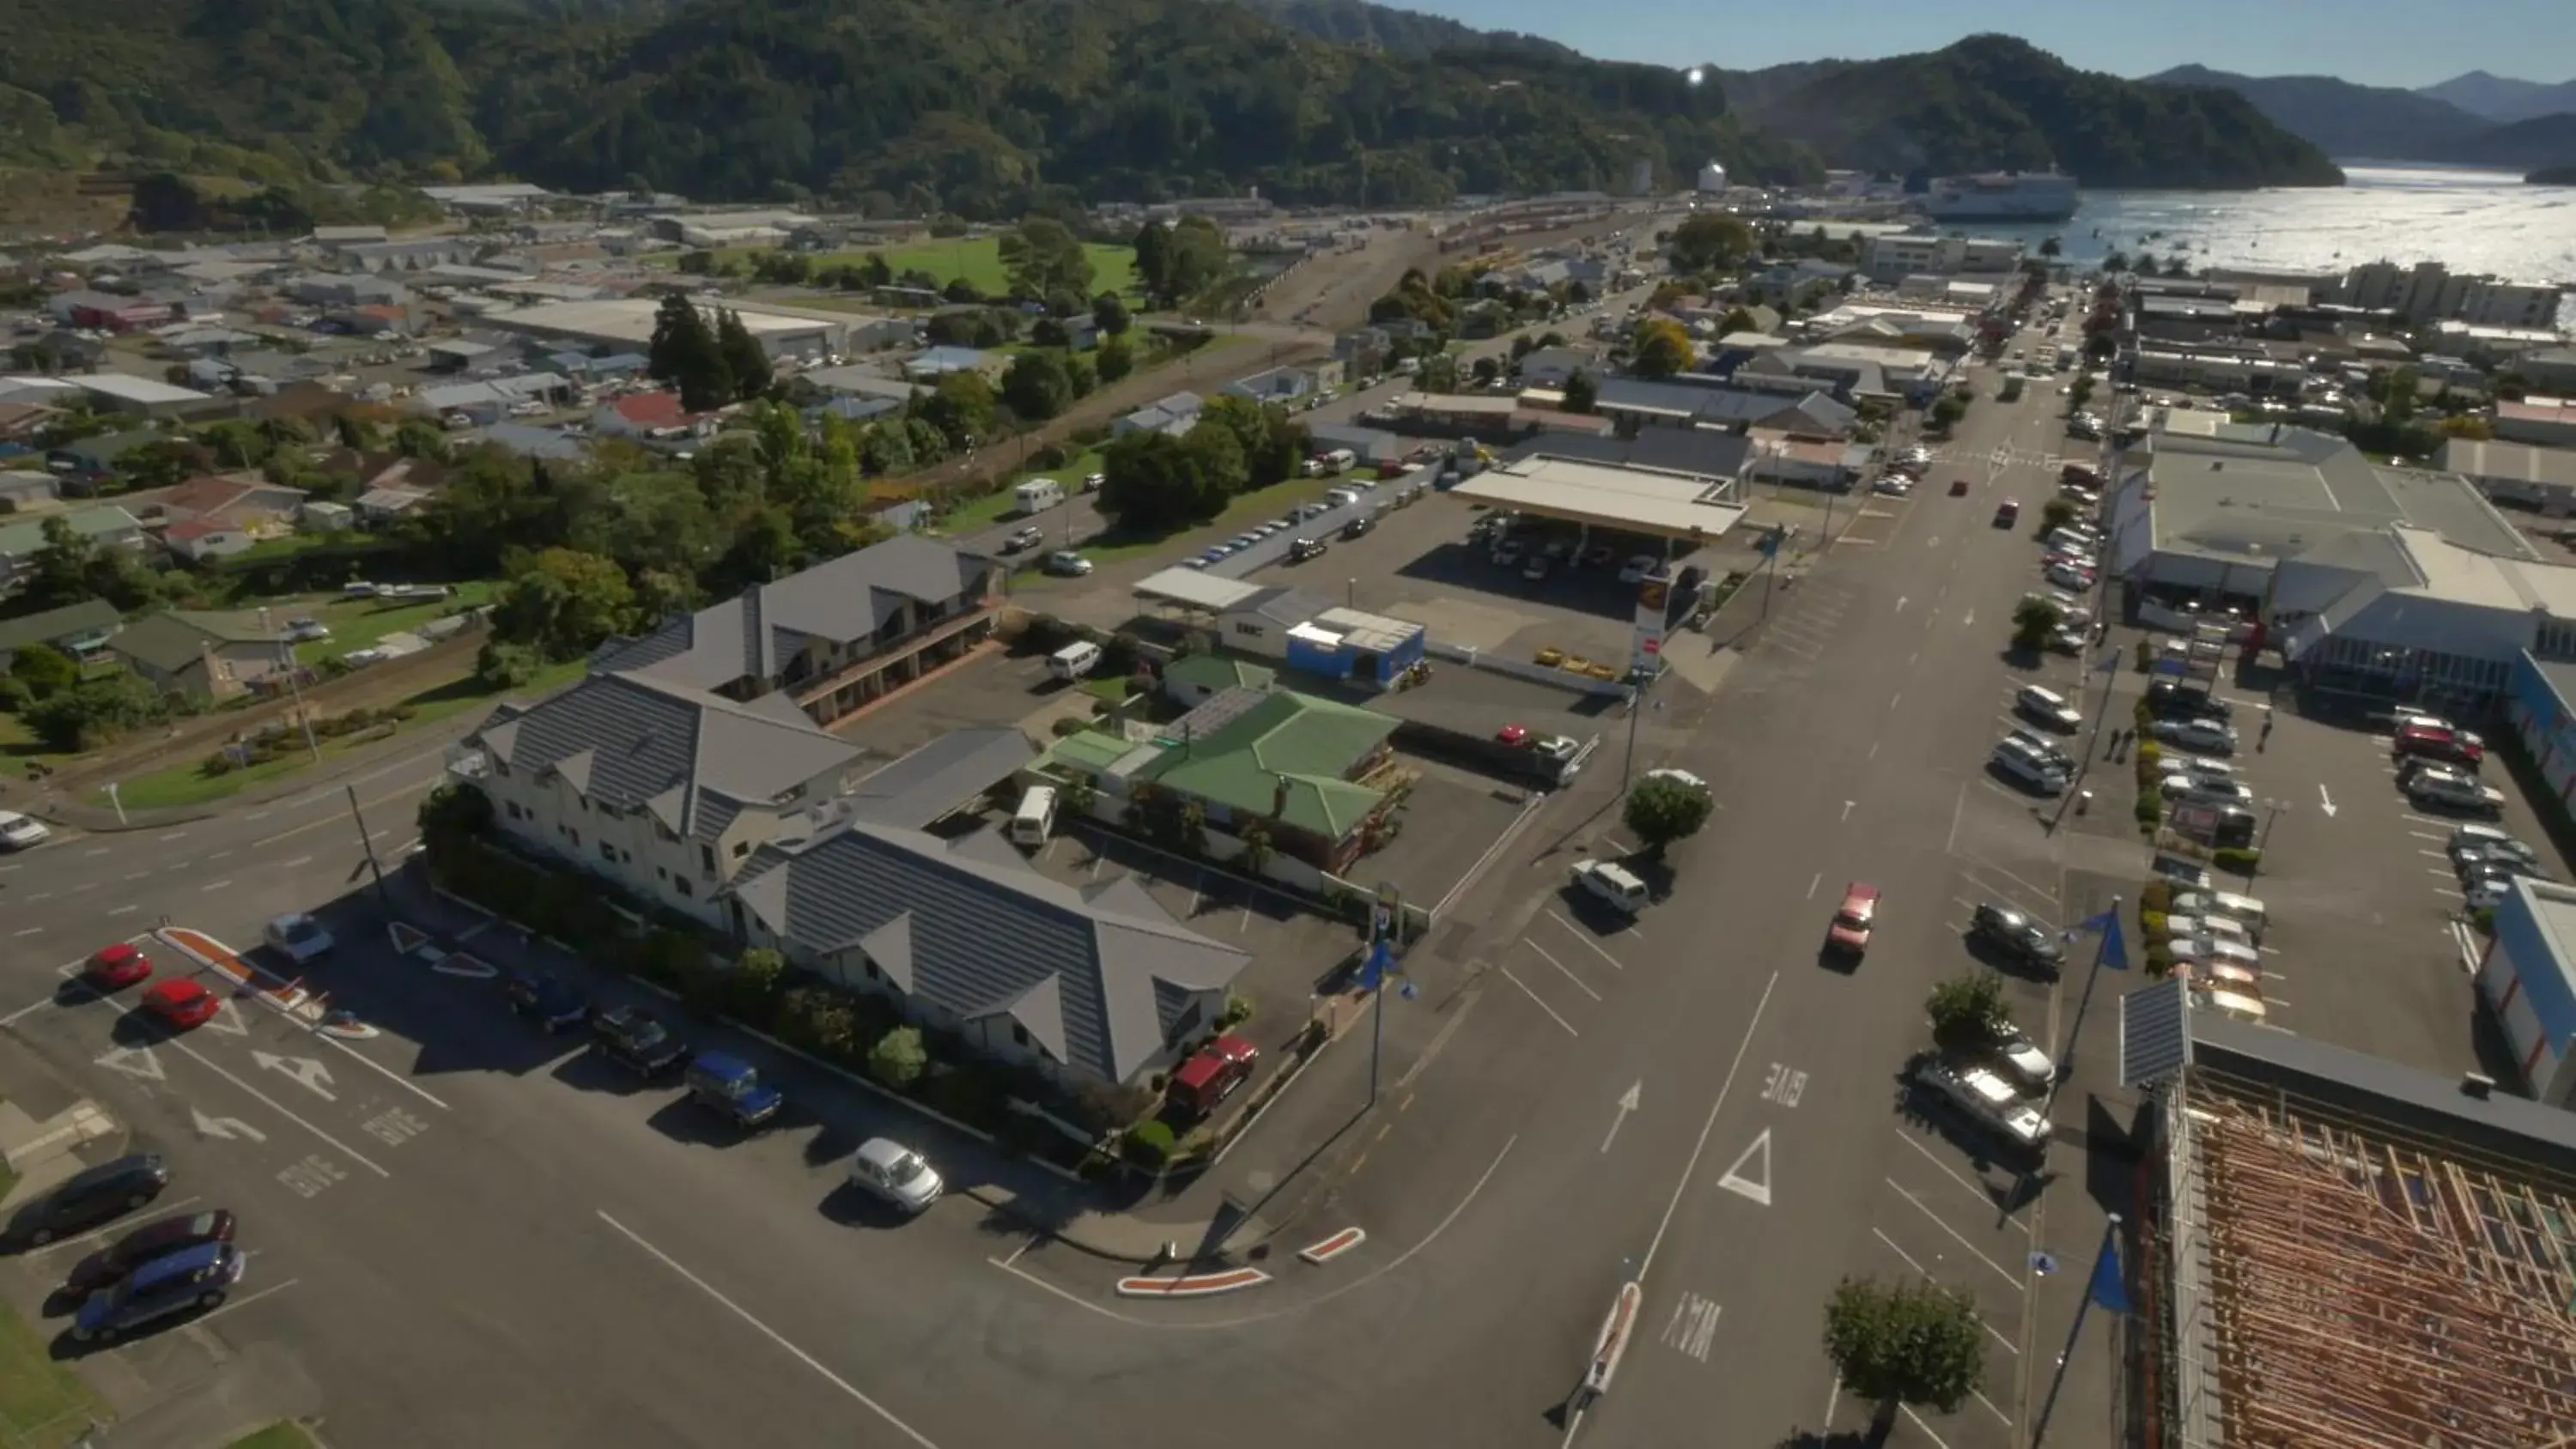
1984 1194
204 955
1921 1271
1955 1235
279 1108
773 1335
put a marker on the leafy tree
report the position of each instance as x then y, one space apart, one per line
2099 347
420 438
500 664
1710 241
42 670
94 713
2116 262
1904 1344
564 603
1116 359
1042 256
1049 332
1948 411
1660 348
1582 393
745 360
1660 811
1037 386
898 1059
1487 370
1438 372
688 354
1181 260
1153 484
961 407
1738 319
2052 247
1109 314
1968 1011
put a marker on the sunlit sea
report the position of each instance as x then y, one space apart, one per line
2471 221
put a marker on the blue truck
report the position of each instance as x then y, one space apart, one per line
732 1086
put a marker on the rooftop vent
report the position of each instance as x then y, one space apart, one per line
2478 1085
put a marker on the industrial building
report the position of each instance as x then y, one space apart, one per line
1685 507
2328 1249
2542 478
626 324
2403 613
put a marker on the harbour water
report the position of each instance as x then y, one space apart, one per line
2471 221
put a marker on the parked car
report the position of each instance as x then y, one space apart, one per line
632 1038
732 1086
548 1000
91 1197
1023 538
2444 788
117 1261
1987 1102
113 968
1064 563
2018 934
2024 1062
2200 736
896 1174
2168 700
199 1277
1611 883
1212 1074
2007 512
2067 576
1683 778
2048 707
2436 742
181 1003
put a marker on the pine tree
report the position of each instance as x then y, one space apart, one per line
745 359
686 353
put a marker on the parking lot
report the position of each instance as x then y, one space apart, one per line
989 689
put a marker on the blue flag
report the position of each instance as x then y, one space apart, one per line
2115 950
1373 970
2102 922
2110 1291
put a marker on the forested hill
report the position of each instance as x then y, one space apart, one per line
968 105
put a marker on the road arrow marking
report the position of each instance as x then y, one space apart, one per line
1758 1186
2327 801
135 1062
228 1020
1900 603
225 1128
1967 619
307 1072
1627 1104
406 937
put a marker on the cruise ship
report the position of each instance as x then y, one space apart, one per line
2002 196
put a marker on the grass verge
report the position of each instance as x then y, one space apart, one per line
276 1436
43 1404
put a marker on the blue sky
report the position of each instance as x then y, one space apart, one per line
2374 42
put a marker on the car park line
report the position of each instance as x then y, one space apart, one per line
1955 1236
160 1208
1535 997
1561 968
278 1107
1952 1173
1921 1271
228 1305
1579 934
772 1334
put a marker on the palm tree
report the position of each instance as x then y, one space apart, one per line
2052 247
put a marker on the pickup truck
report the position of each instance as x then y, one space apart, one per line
733 1087
634 1040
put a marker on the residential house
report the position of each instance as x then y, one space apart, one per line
23 488
1081 332
109 311
206 538
1374 446
490 401
1789 282
105 525
649 415
456 354
205 339
933 363
76 629
1730 409
25 419
86 461
1176 414
853 409
831 639
2548 422
530 442
1257 756
857 381
1551 366
245 502
207 657
1282 385
1363 352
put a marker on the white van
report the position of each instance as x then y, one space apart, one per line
1073 661
2233 1003
1031 823
1037 495
2034 770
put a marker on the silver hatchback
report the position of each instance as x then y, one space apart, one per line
888 1170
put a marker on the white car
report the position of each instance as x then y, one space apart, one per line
1683 778
2210 928
1989 1101
2021 1057
299 938
2220 903
306 631
2067 576
893 1173
1637 570
2487 894
2204 948
1611 883
22 832
2204 737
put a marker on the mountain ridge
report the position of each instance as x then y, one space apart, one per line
2341 118
2502 99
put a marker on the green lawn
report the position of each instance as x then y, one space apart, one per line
1257 506
43 1404
982 513
979 260
186 783
276 1436
361 623
19 748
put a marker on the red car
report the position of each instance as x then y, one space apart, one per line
1958 487
1850 930
2006 512
1516 736
2439 742
182 1003
113 968
1212 1073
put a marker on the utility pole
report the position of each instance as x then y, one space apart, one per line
368 844
295 686
2093 1288
2101 949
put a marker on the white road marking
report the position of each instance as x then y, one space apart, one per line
221 885
308 1072
279 1108
1920 1270
773 1335
173 835
246 1300
102 850
1691 1167
1758 1186
1917 1419
219 855
1952 1174
1990 1408
1847 809
32 931
1542 1001
1953 1232
1587 940
299 860
1896 699
1813 884
122 910
224 1129
1626 1104
1693 1328
28 1010
2325 801
1560 966
58 1244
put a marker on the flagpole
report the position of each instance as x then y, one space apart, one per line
2101 949
2092 1290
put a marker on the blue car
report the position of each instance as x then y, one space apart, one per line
732 1086
198 1277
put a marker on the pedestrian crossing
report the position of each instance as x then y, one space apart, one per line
2000 458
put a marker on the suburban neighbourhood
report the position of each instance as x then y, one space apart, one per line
716 823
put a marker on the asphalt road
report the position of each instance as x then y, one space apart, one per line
540 1256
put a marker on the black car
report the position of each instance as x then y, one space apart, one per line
634 1040
2019 934
547 1000
2171 702
2503 859
117 1261
108 1190
1359 527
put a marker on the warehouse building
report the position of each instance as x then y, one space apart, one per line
2542 478
625 324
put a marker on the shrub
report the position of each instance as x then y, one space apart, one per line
2141 714
1238 1010
2146 661
2160 960
755 981
1068 724
1048 458
2151 753
2483 919
898 1059
2150 812
1149 1144
2239 859
2157 896
2156 925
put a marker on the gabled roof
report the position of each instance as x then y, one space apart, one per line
693 759
844 601
1098 978
89 616
1240 748
933 781
174 640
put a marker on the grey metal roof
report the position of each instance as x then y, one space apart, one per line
694 759
1283 604
844 602
2267 492
1098 978
936 779
1680 450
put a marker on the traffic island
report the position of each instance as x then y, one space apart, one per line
1333 1247
1193 1285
